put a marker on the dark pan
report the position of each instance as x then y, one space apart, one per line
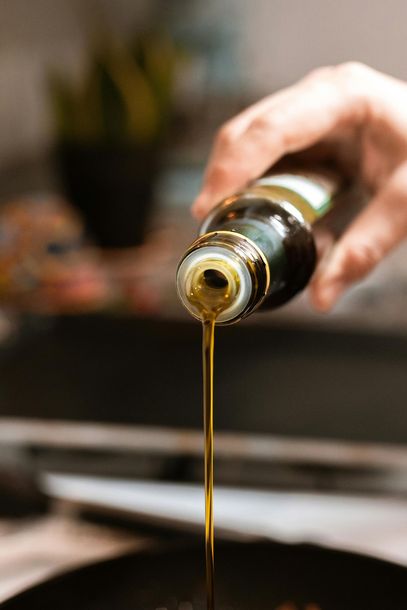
255 576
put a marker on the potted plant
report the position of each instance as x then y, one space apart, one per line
110 130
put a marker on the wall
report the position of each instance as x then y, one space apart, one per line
278 41
284 39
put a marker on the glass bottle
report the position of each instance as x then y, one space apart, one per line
256 248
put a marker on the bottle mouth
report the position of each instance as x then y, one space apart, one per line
213 279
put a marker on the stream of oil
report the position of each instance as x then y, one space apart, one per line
208 340
211 294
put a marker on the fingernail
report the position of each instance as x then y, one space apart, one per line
199 205
325 294
196 212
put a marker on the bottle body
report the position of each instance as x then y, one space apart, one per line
258 243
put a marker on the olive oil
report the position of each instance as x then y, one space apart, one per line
209 293
208 339
255 249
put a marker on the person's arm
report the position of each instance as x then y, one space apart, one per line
357 109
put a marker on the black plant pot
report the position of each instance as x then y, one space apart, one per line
112 186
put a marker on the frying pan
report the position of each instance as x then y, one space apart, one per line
255 576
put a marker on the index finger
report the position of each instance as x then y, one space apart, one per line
287 122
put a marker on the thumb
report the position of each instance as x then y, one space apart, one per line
379 228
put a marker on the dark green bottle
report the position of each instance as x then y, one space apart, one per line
256 249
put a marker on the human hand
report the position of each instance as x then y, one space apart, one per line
352 110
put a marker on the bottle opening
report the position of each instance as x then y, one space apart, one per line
215 279
211 289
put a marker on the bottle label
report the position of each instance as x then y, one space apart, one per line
315 189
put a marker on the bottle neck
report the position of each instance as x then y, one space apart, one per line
308 193
223 275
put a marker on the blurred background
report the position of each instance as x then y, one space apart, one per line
107 113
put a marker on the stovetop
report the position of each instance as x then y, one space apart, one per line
33 549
